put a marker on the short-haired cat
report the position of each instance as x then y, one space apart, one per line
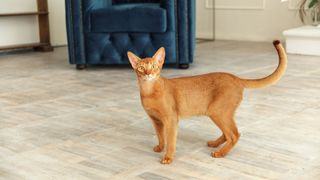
216 95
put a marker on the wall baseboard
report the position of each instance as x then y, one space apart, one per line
205 35
247 38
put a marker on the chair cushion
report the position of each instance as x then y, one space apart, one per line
135 17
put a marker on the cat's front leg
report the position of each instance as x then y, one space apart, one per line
171 136
159 129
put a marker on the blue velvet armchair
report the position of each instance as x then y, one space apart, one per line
102 31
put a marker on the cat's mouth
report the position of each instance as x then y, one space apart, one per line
149 77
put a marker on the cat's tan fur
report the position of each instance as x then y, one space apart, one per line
216 95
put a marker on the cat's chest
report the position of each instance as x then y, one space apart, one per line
152 97
150 102
152 105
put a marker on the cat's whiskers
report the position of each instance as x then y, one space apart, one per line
150 77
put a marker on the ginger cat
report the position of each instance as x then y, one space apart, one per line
216 95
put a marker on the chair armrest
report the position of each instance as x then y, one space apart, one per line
181 18
186 30
77 19
170 6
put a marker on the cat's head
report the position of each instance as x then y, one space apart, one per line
148 69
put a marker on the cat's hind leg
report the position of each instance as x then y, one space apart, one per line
221 111
230 131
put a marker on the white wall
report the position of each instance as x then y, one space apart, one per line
204 20
57 22
253 20
17 30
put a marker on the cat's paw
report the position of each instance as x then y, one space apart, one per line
157 148
213 144
217 154
166 160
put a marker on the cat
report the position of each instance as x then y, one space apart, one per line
216 95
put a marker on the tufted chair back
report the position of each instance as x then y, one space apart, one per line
101 31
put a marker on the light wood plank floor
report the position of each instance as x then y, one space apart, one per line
59 123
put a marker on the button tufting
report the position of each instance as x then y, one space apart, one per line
112 48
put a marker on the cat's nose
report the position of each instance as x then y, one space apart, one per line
147 72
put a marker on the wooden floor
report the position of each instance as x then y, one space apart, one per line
59 123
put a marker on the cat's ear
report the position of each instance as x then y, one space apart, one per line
133 59
160 55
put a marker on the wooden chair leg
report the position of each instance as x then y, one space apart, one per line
183 66
81 66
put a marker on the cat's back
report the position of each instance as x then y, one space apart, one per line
216 78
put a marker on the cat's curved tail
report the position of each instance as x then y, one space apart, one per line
275 76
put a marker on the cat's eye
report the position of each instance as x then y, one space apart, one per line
140 68
154 66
